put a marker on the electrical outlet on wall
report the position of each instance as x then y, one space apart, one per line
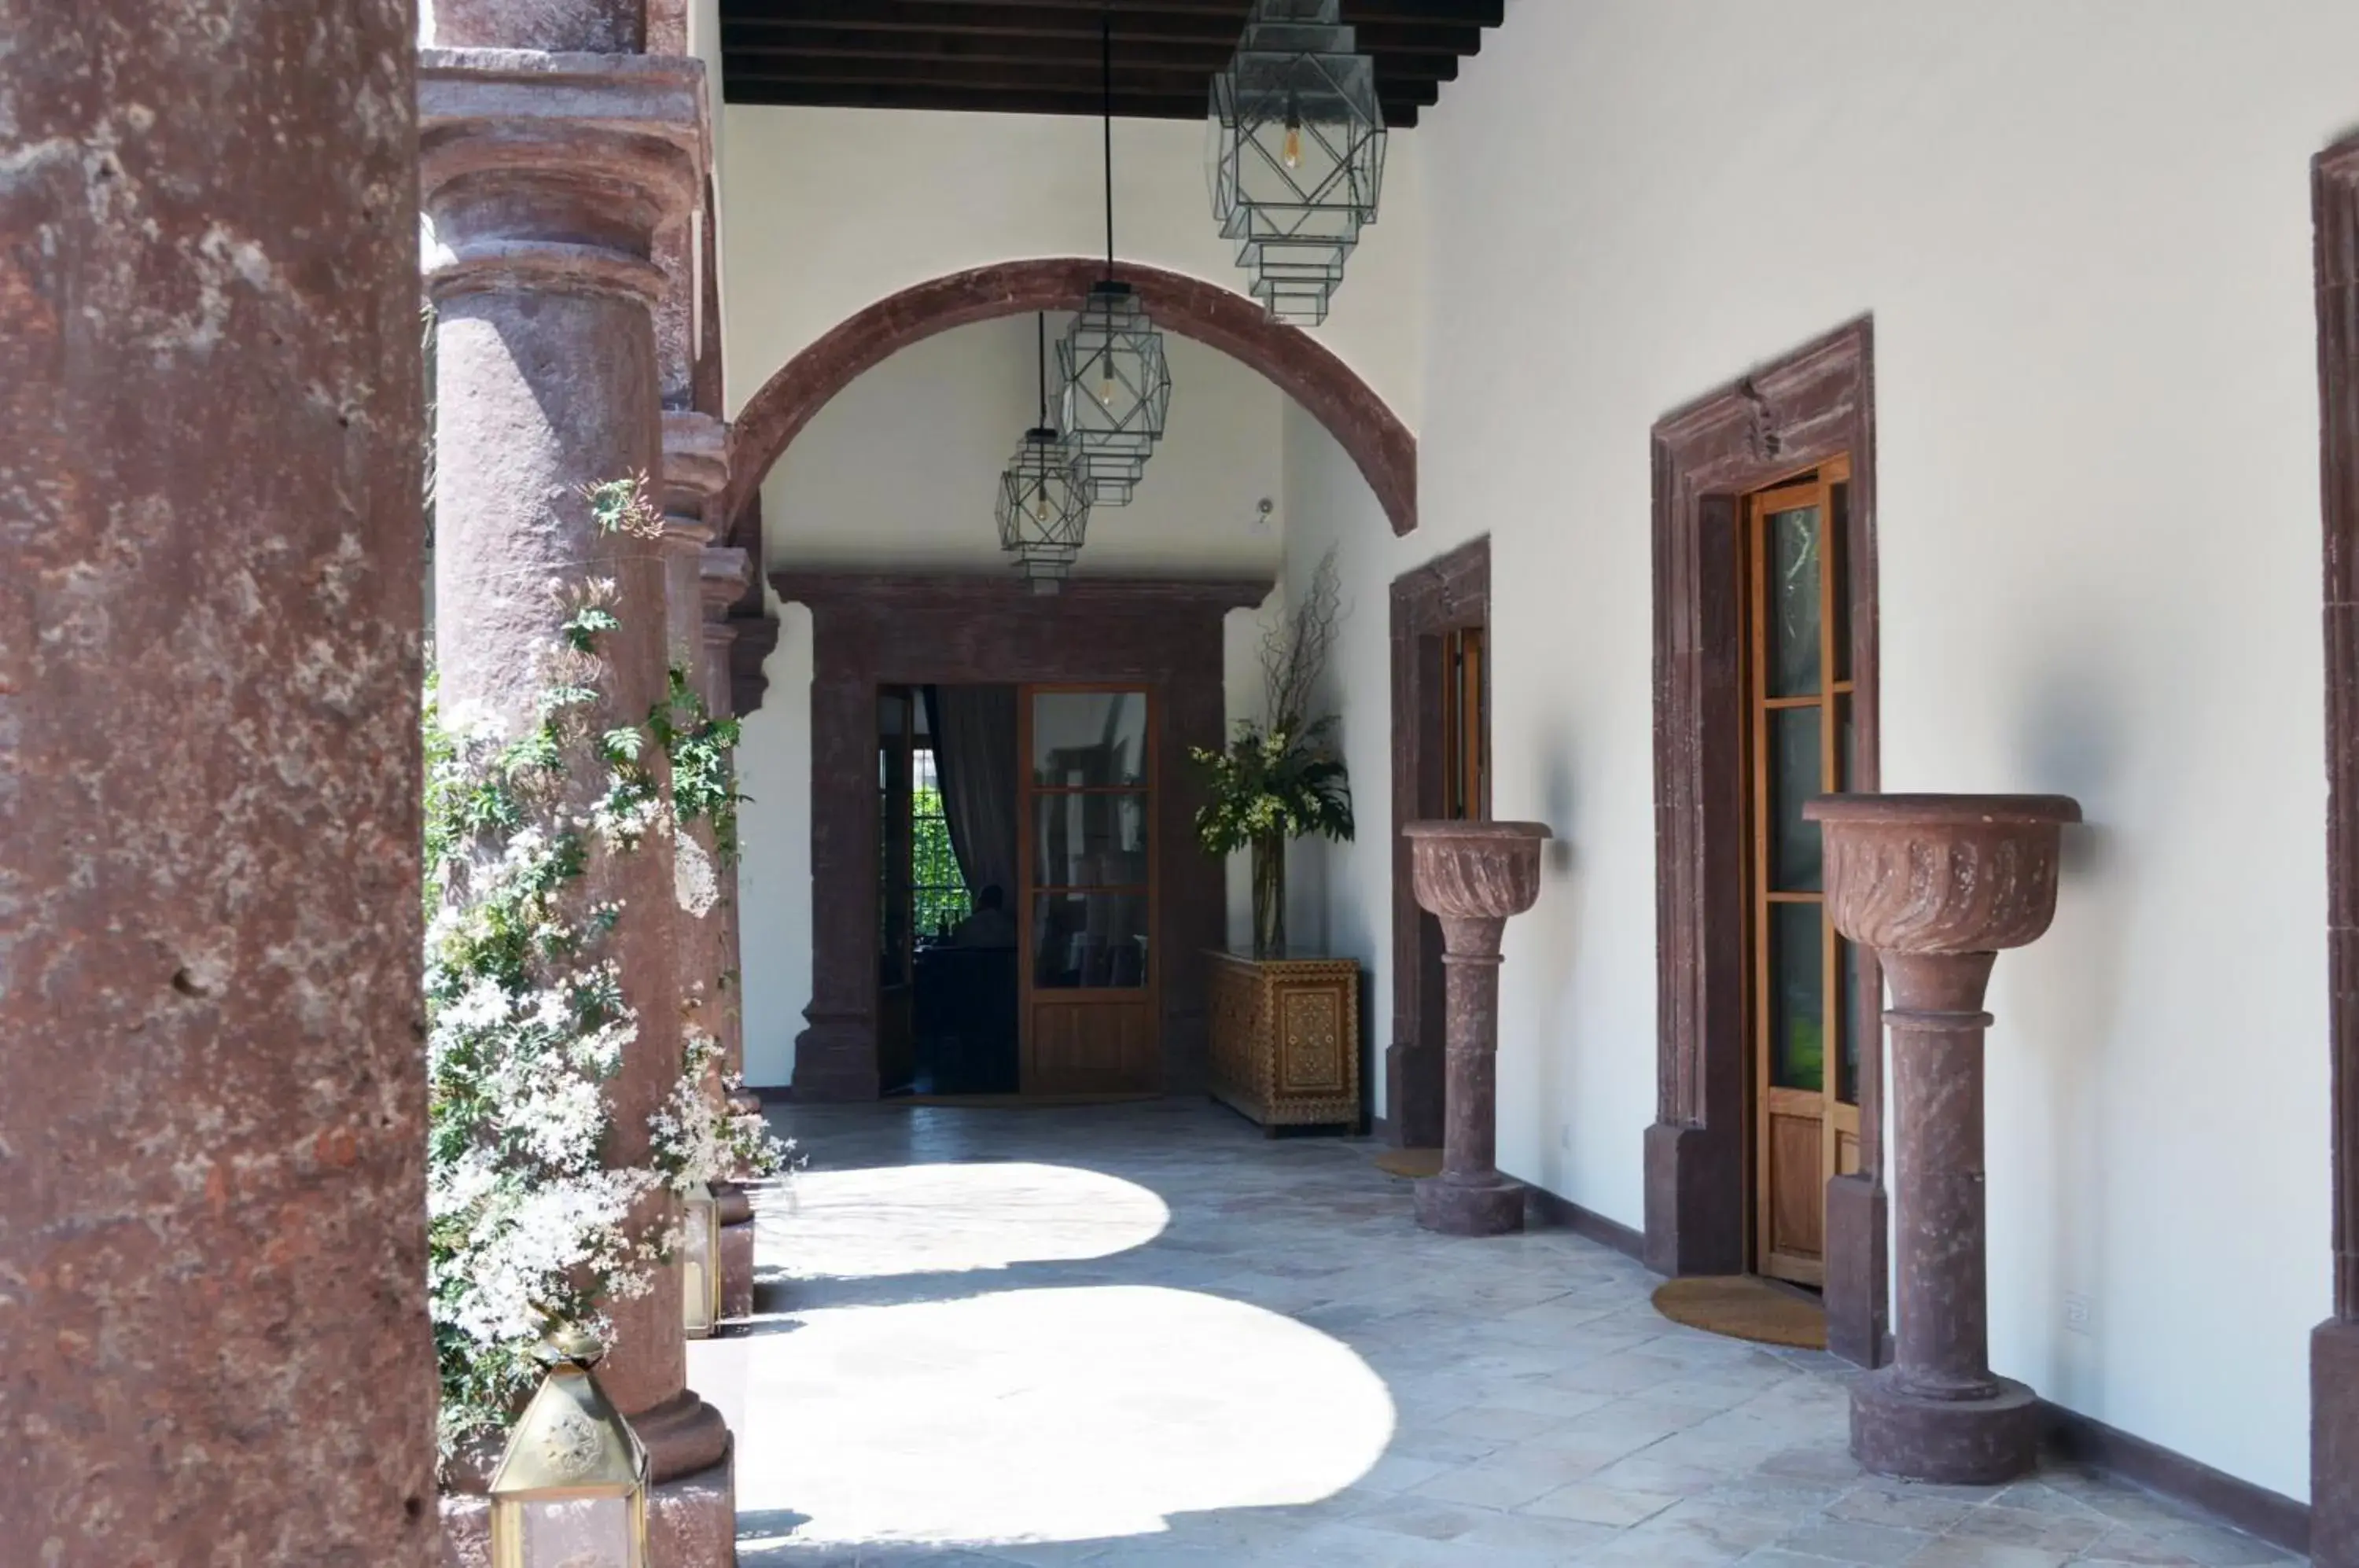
2076 1313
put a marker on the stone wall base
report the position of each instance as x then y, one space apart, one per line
2334 1445
737 1271
691 1522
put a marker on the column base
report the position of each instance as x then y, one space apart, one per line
2334 1445
1413 1094
1695 1200
691 1522
1491 1206
737 1271
1960 1443
1857 1216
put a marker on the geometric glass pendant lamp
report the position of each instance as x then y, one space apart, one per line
1044 496
1296 153
1115 385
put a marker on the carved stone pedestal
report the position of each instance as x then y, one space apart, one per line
1937 884
1472 875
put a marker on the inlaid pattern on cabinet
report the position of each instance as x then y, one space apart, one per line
1285 1040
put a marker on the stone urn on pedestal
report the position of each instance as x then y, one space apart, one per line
1472 877
1937 884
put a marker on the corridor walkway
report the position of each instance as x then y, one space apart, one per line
1146 1335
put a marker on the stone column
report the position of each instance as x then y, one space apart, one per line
724 574
212 1133
1937 884
545 177
695 471
1473 876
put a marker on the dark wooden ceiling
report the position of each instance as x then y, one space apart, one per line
1040 57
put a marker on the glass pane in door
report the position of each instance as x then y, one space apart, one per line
1794 603
1089 841
1089 740
1089 941
1795 855
1797 997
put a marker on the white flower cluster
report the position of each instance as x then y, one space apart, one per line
700 1137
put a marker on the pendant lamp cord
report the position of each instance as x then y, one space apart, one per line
1042 331
1105 73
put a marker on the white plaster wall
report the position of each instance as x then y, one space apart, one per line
831 210
774 929
2083 231
1340 896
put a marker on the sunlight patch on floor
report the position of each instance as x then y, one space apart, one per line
932 1219
1058 1414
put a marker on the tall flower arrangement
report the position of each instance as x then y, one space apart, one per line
1280 778
528 1226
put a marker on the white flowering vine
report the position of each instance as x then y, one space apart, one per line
526 1018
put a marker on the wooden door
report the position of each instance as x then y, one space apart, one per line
1799 743
1465 725
1091 986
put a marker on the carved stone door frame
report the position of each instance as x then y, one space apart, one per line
1815 403
1451 593
870 630
2334 1345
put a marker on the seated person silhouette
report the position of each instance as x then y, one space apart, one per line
990 925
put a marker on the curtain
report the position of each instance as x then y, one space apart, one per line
974 757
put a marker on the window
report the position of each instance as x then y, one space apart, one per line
939 898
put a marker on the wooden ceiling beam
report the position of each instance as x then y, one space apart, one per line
1457 34
860 43
1077 81
1399 112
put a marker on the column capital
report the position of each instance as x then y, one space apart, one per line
695 460
555 171
725 572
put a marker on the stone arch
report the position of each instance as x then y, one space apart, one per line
1296 363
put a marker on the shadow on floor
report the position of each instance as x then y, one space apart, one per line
1144 1335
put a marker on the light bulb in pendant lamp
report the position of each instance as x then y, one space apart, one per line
700 1262
571 1490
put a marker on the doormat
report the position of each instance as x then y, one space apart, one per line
1742 1306
1413 1163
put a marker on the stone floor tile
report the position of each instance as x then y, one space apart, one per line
1493 1485
1965 1551
1850 1541
1872 1505
1589 1503
1143 1336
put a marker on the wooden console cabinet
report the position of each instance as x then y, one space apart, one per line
1285 1040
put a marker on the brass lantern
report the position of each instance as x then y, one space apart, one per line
571 1490
699 1261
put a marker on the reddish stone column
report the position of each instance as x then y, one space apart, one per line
213 1341
725 572
1937 884
695 471
545 177
1473 876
